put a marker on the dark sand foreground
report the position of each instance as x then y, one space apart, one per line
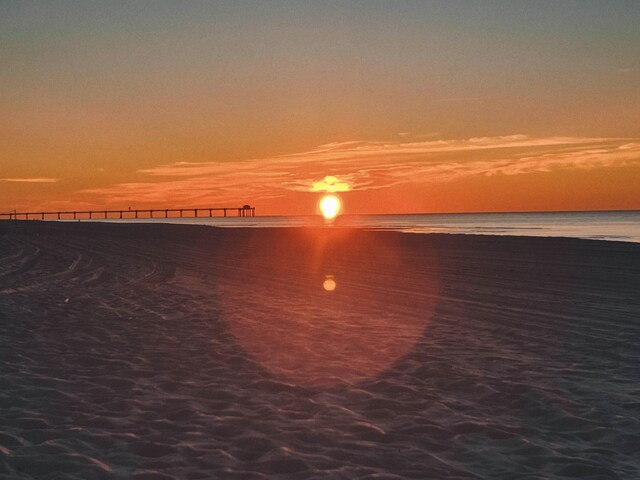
187 352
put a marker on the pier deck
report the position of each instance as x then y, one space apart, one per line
129 214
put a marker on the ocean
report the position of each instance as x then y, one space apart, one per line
623 226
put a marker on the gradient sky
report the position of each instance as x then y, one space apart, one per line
412 106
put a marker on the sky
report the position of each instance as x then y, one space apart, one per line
399 106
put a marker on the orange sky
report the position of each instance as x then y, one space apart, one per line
418 107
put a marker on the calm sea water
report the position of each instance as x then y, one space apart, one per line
601 225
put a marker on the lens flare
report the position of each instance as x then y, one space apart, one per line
329 283
330 206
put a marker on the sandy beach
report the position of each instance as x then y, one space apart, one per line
189 352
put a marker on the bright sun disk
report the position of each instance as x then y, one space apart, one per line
330 206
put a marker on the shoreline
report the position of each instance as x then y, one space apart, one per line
430 231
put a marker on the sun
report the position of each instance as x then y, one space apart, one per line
330 206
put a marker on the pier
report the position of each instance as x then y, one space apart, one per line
129 214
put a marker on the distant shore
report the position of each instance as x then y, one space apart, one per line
178 351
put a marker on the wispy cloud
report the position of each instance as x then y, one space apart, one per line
30 180
361 165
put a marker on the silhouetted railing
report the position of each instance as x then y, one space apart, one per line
244 211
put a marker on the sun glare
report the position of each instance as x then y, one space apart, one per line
330 206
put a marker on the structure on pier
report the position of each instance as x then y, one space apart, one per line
244 211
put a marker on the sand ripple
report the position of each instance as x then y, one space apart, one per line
180 352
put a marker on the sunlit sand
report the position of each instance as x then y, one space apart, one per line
165 351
